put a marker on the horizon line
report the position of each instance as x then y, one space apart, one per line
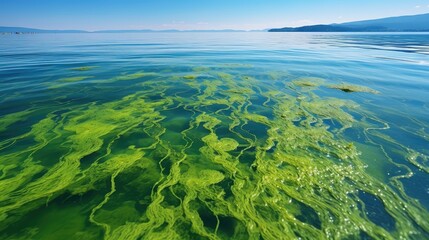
198 30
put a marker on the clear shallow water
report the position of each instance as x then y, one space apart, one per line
214 136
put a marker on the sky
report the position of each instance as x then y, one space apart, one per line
196 14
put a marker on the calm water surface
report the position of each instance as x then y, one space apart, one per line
214 136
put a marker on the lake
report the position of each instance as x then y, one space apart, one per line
242 135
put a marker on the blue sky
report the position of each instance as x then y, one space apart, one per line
196 14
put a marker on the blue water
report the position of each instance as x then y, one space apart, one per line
182 76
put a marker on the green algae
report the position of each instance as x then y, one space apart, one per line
74 79
83 68
202 178
279 75
11 118
62 82
308 82
243 160
133 76
330 108
190 77
353 88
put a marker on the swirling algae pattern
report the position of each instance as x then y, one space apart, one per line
205 155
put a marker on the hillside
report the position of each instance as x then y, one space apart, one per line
415 23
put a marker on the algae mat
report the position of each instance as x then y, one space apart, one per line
209 154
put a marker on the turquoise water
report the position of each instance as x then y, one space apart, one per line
214 136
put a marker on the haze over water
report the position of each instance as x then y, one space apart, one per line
214 136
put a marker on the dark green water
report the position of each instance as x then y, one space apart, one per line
214 136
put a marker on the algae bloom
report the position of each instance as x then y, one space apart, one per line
223 155
84 68
353 88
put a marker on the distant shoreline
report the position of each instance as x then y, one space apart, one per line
401 24
414 23
327 32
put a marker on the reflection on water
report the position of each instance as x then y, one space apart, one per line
213 136
413 43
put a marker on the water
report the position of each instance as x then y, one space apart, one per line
214 136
